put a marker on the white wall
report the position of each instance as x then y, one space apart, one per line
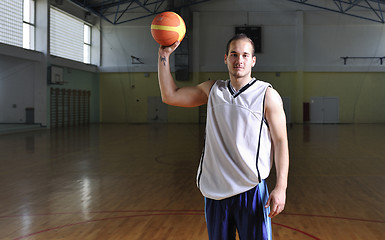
329 36
278 38
120 42
22 85
293 35
23 73
16 89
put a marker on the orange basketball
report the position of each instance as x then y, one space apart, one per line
167 28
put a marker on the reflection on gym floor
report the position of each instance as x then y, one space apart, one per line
137 181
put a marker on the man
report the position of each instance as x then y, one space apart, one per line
245 130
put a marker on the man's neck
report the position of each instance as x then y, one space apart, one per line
238 83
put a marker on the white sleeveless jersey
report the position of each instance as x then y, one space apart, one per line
237 152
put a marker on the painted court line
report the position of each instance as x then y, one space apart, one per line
151 213
161 213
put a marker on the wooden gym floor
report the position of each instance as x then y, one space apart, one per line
138 182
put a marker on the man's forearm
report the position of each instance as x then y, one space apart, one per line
166 81
281 164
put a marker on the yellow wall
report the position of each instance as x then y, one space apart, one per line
123 96
123 99
361 95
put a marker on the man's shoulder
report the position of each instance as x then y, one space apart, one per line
262 82
218 83
272 97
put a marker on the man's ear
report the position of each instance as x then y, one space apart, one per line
254 61
226 59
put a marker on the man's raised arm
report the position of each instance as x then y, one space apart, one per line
173 95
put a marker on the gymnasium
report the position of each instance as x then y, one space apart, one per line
88 150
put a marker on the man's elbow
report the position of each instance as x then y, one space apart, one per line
168 100
165 100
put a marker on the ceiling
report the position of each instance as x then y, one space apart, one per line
372 10
121 11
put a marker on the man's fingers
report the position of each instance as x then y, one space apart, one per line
274 212
268 203
275 209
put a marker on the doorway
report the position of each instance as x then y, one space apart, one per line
324 110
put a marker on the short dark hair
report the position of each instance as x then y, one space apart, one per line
240 36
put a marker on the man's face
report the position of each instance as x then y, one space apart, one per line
240 58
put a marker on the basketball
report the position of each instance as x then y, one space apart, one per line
167 28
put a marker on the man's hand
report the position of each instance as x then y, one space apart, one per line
276 201
165 52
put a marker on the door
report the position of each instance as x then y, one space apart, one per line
324 109
157 110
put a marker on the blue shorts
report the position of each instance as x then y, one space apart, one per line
244 212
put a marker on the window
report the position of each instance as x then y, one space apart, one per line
87 44
29 24
69 37
11 22
17 23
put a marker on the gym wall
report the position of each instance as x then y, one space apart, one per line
301 57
